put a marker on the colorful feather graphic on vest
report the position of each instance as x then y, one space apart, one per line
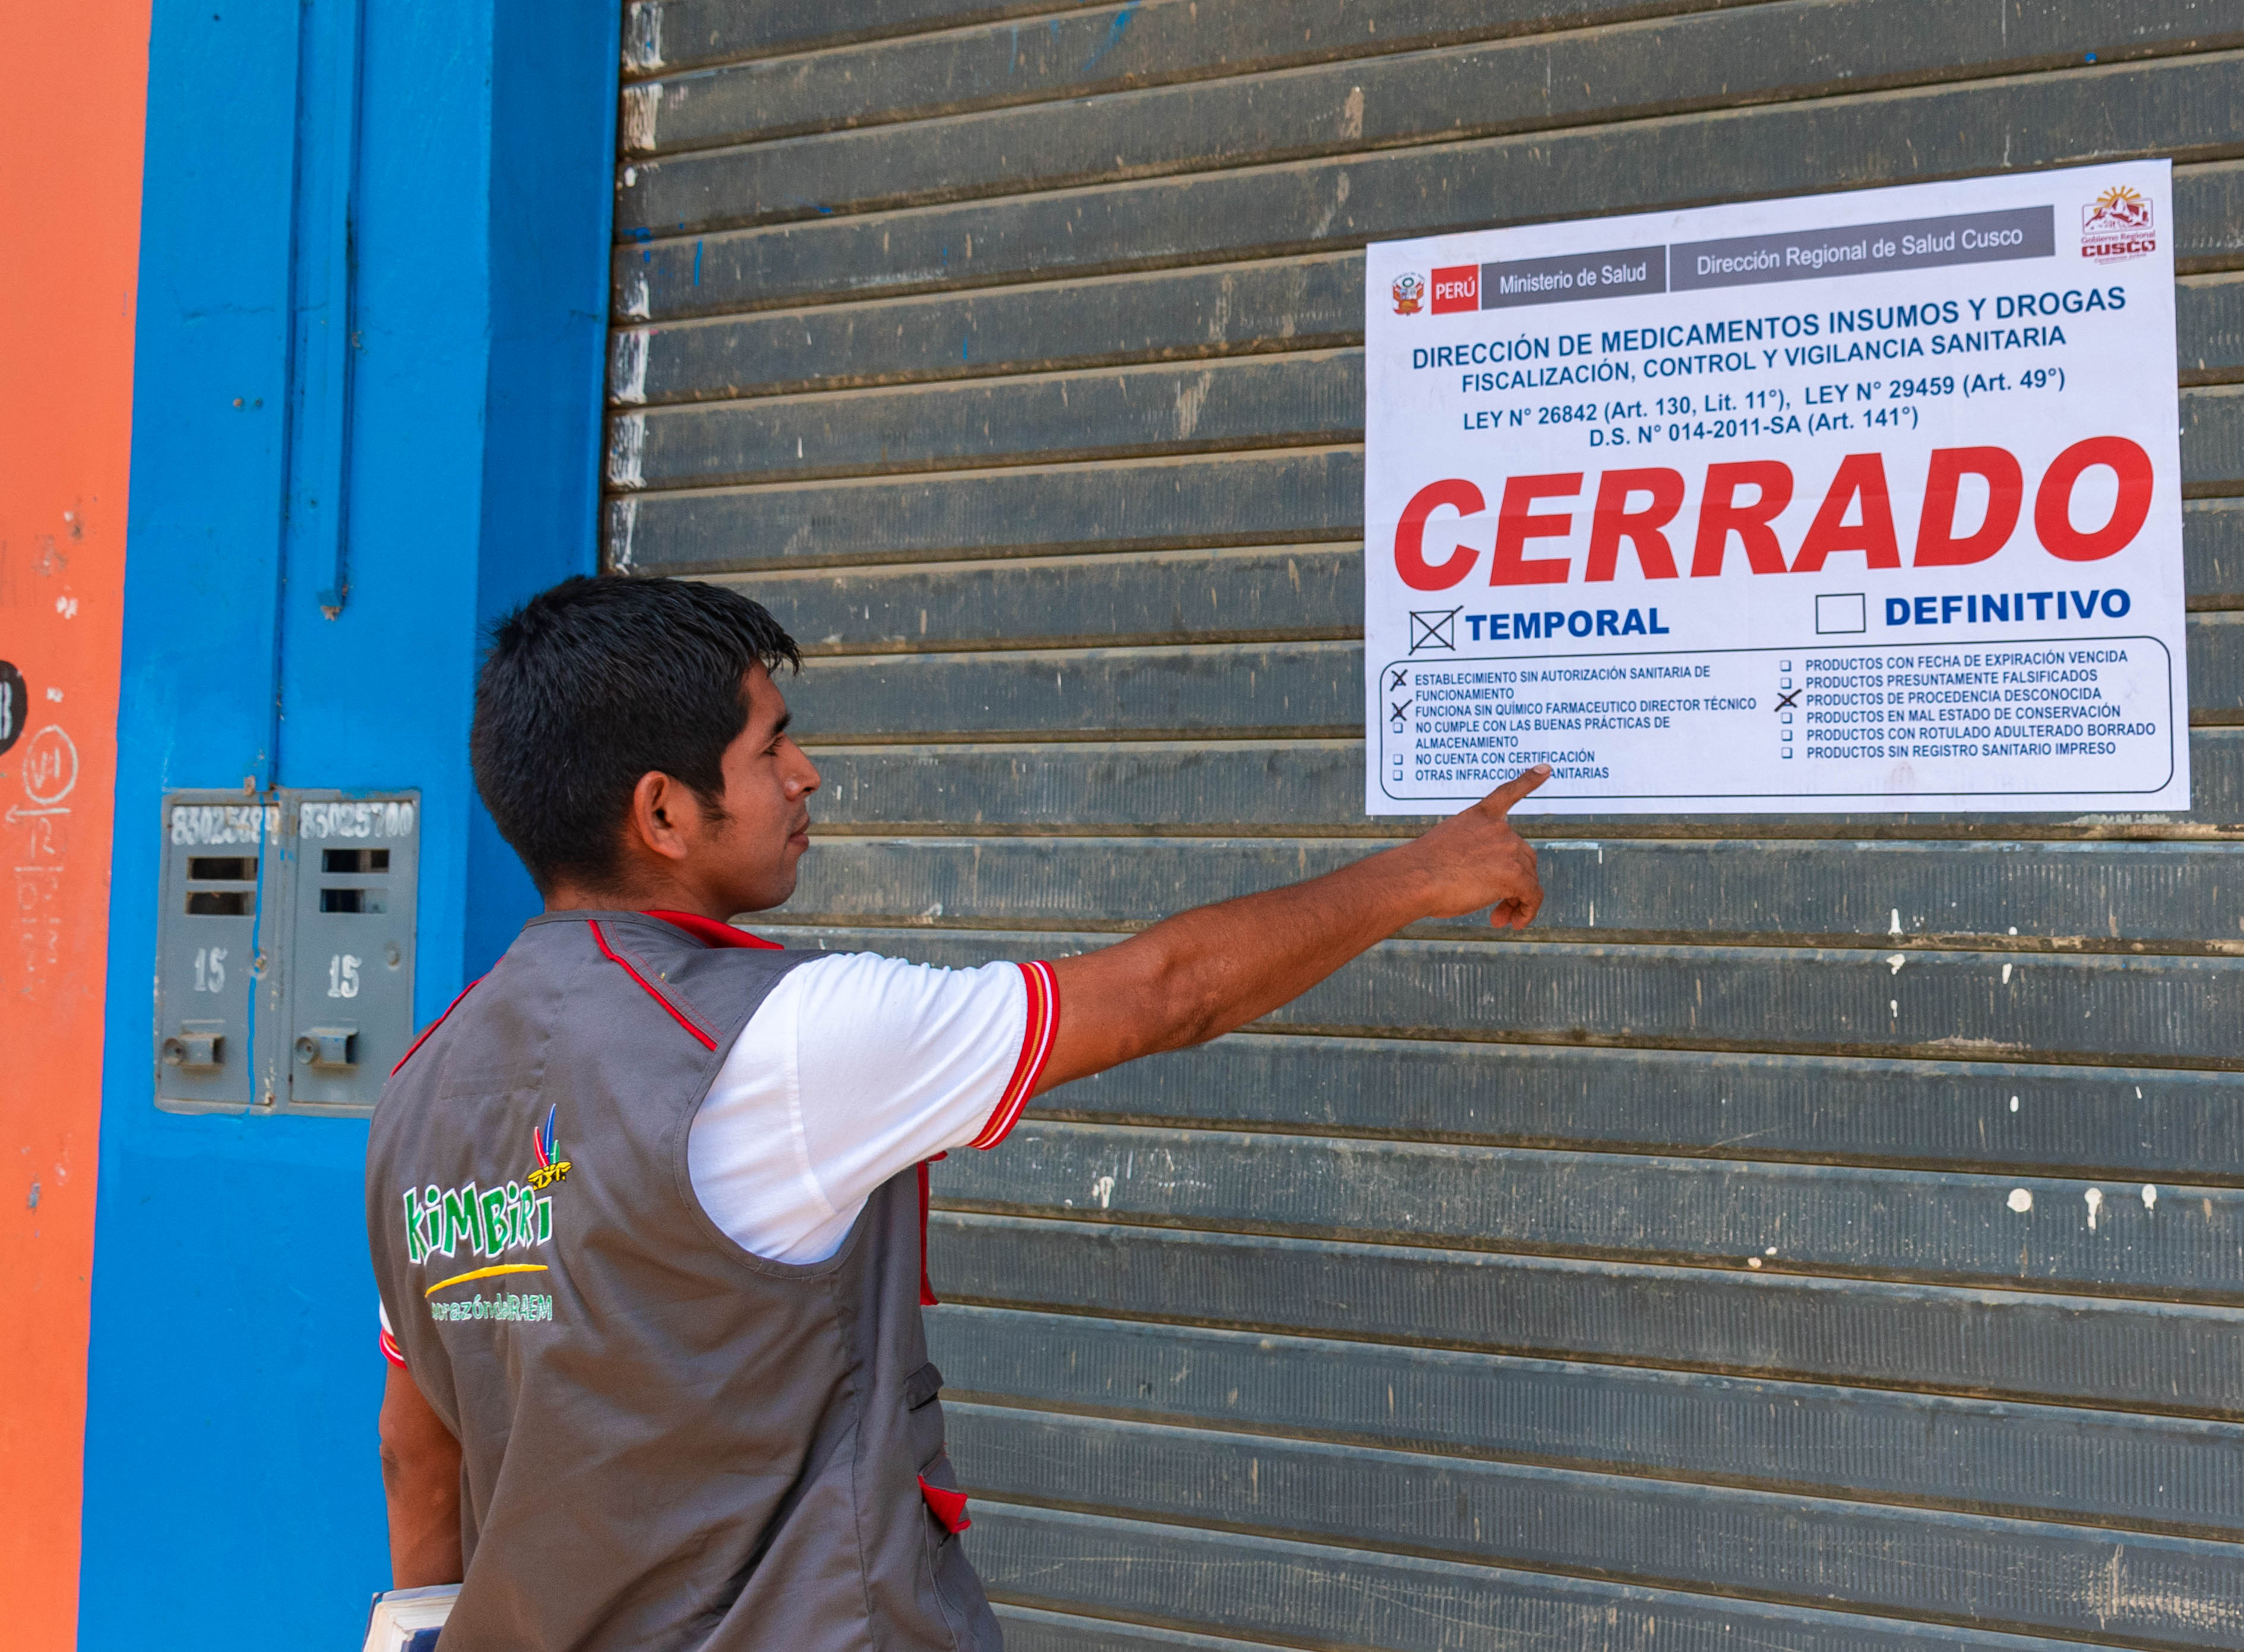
552 1166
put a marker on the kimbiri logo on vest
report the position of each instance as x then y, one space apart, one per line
489 1222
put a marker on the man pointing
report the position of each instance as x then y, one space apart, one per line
648 1203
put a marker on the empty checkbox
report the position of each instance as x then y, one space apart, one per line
1844 614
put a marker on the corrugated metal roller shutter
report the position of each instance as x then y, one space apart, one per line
1652 1282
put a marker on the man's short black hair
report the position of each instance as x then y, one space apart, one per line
591 684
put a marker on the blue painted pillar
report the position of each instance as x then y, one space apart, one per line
366 420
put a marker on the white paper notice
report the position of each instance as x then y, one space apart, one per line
1855 502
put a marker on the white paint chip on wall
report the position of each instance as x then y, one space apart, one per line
627 366
626 440
640 104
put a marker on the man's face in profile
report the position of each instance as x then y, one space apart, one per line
750 852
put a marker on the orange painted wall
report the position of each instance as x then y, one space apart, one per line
73 84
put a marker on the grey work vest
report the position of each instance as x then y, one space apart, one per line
665 1442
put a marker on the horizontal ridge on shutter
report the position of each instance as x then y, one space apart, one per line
2072 898
2136 1126
2113 1468
1834 1220
1267 1586
1050 501
1185 788
1766 1545
1710 61
1073 53
2177 108
1208 312
1944 1005
2143 1355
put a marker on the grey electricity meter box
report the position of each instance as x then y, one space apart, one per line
208 978
284 966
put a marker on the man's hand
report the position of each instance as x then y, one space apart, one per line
1202 973
1475 857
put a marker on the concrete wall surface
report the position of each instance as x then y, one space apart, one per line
70 200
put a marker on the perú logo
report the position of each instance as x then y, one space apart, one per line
2117 226
1409 293
1456 289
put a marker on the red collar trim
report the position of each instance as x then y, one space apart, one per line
710 932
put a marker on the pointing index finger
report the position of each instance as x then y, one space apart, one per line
1517 787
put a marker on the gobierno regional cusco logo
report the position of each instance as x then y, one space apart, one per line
2117 226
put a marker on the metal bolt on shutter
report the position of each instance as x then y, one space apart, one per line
1818 1234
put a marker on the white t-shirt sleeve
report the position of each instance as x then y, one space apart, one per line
854 1068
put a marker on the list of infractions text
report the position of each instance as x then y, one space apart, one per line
1868 720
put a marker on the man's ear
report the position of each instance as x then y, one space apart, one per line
662 812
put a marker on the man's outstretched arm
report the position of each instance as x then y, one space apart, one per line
1202 973
420 1479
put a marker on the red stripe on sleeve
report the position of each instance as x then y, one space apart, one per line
1035 1050
613 957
